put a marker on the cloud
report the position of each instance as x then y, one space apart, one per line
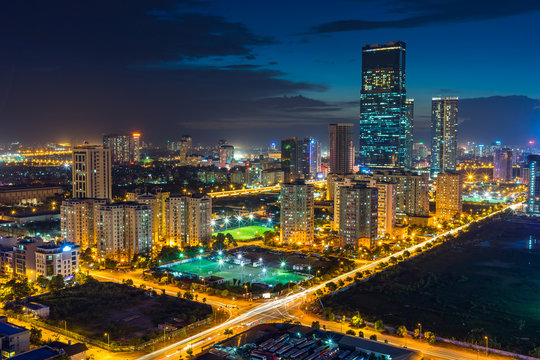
415 13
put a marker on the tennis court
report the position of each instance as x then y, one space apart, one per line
204 267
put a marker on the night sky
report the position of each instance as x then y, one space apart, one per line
257 71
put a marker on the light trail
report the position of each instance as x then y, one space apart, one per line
290 298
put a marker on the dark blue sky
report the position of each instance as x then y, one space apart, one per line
256 71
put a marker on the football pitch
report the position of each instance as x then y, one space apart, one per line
245 232
261 274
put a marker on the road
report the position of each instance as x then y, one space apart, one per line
252 191
281 304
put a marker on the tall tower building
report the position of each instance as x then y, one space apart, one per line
135 147
188 220
91 172
448 196
77 221
226 155
310 157
358 215
340 142
124 148
385 125
444 119
409 135
297 213
502 165
289 158
533 193
186 144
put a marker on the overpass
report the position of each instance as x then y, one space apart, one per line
254 191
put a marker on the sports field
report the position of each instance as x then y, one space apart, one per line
245 232
205 267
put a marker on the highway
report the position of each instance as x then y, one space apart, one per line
252 191
283 303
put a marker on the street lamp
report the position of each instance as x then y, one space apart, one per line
108 341
420 333
485 337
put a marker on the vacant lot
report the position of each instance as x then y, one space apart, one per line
485 283
130 315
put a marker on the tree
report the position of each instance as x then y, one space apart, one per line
331 317
189 351
316 325
401 331
86 255
360 334
228 332
43 282
331 286
56 283
224 293
188 295
350 332
179 294
35 335
204 300
357 320
379 325
417 334
430 337
128 282
110 263
373 337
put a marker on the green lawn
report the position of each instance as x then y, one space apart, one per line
245 232
205 267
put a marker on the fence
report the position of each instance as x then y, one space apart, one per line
110 346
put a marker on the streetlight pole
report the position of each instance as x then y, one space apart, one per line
420 333
485 337
108 342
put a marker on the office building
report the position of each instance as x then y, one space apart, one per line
310 157
91 172
385 118
124 148
123 230
502 165
448 195
358 215
533 192
226 155
444 122
297 213
289 158
189 220
57 259
271 177
27 195
341 146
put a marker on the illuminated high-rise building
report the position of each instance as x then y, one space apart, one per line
502 165
123 230
289 158
358 215
341 146
77 220
297 213
186 144
226 155
444 122
448 195
188 220
125 148
533 192
385 138
310 157
91 172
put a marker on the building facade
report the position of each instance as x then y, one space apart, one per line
91 172
297 213
385 125
77 221
226 155
448 196
57 259
358 215
502 165
533 191
125 148
27 195
189 220
444 122
341 147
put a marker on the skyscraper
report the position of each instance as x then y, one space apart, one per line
358 215
385 121
533 193
340 143
310 157
502 165
186 144
226 155
297 213
444 118
124 148
448 196
289 158
91 172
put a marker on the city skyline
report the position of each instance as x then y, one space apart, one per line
239 75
